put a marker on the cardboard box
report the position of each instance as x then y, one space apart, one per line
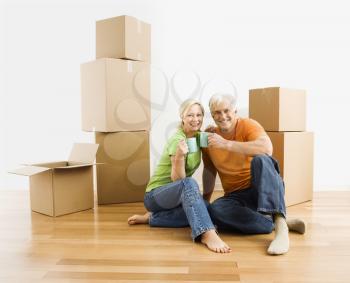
126 170
123 37
115 95
278 109
294 152
62 187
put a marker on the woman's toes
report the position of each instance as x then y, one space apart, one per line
132 220
139 219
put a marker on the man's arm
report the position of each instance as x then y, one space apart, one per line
261 145
208 177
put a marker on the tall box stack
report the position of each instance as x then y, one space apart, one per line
282 113
116 106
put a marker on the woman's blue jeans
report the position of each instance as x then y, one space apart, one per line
250 211
179 204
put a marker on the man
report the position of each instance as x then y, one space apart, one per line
240 152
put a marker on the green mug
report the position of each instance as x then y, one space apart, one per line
203 139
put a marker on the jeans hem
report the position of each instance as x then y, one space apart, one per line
200 232
150 219
272 211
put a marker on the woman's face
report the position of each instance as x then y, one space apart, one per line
193 119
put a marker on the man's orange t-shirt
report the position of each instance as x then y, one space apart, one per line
234 168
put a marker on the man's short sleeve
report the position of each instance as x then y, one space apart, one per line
252 130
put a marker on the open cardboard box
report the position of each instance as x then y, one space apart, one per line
62 187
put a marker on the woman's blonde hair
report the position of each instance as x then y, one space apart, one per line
186 105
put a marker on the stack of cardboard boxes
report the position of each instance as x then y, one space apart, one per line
115 92
282 113
116 106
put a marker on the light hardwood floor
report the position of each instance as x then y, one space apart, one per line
99 246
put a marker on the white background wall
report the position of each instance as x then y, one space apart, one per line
296 44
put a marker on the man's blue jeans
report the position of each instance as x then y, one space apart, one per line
179 204
249 211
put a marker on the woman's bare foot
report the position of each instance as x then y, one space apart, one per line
139 219
214 243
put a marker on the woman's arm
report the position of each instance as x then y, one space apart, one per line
178 162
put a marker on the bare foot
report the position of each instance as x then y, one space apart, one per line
139 219
214 243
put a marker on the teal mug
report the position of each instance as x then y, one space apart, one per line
192 145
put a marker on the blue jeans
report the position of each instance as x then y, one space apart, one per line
179 204
250 210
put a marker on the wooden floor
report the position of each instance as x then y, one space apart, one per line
98 246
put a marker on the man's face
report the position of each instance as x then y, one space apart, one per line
224 116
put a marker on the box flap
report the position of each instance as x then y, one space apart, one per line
29 170
83 153
77 165
52 164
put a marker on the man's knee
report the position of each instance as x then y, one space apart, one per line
261 159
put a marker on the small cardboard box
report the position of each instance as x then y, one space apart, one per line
294 152
62 187
125 171
123 37
115 95
278 109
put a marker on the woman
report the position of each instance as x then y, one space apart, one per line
172 197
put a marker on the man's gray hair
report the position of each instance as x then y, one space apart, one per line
220 97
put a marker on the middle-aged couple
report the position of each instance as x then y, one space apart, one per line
238 150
